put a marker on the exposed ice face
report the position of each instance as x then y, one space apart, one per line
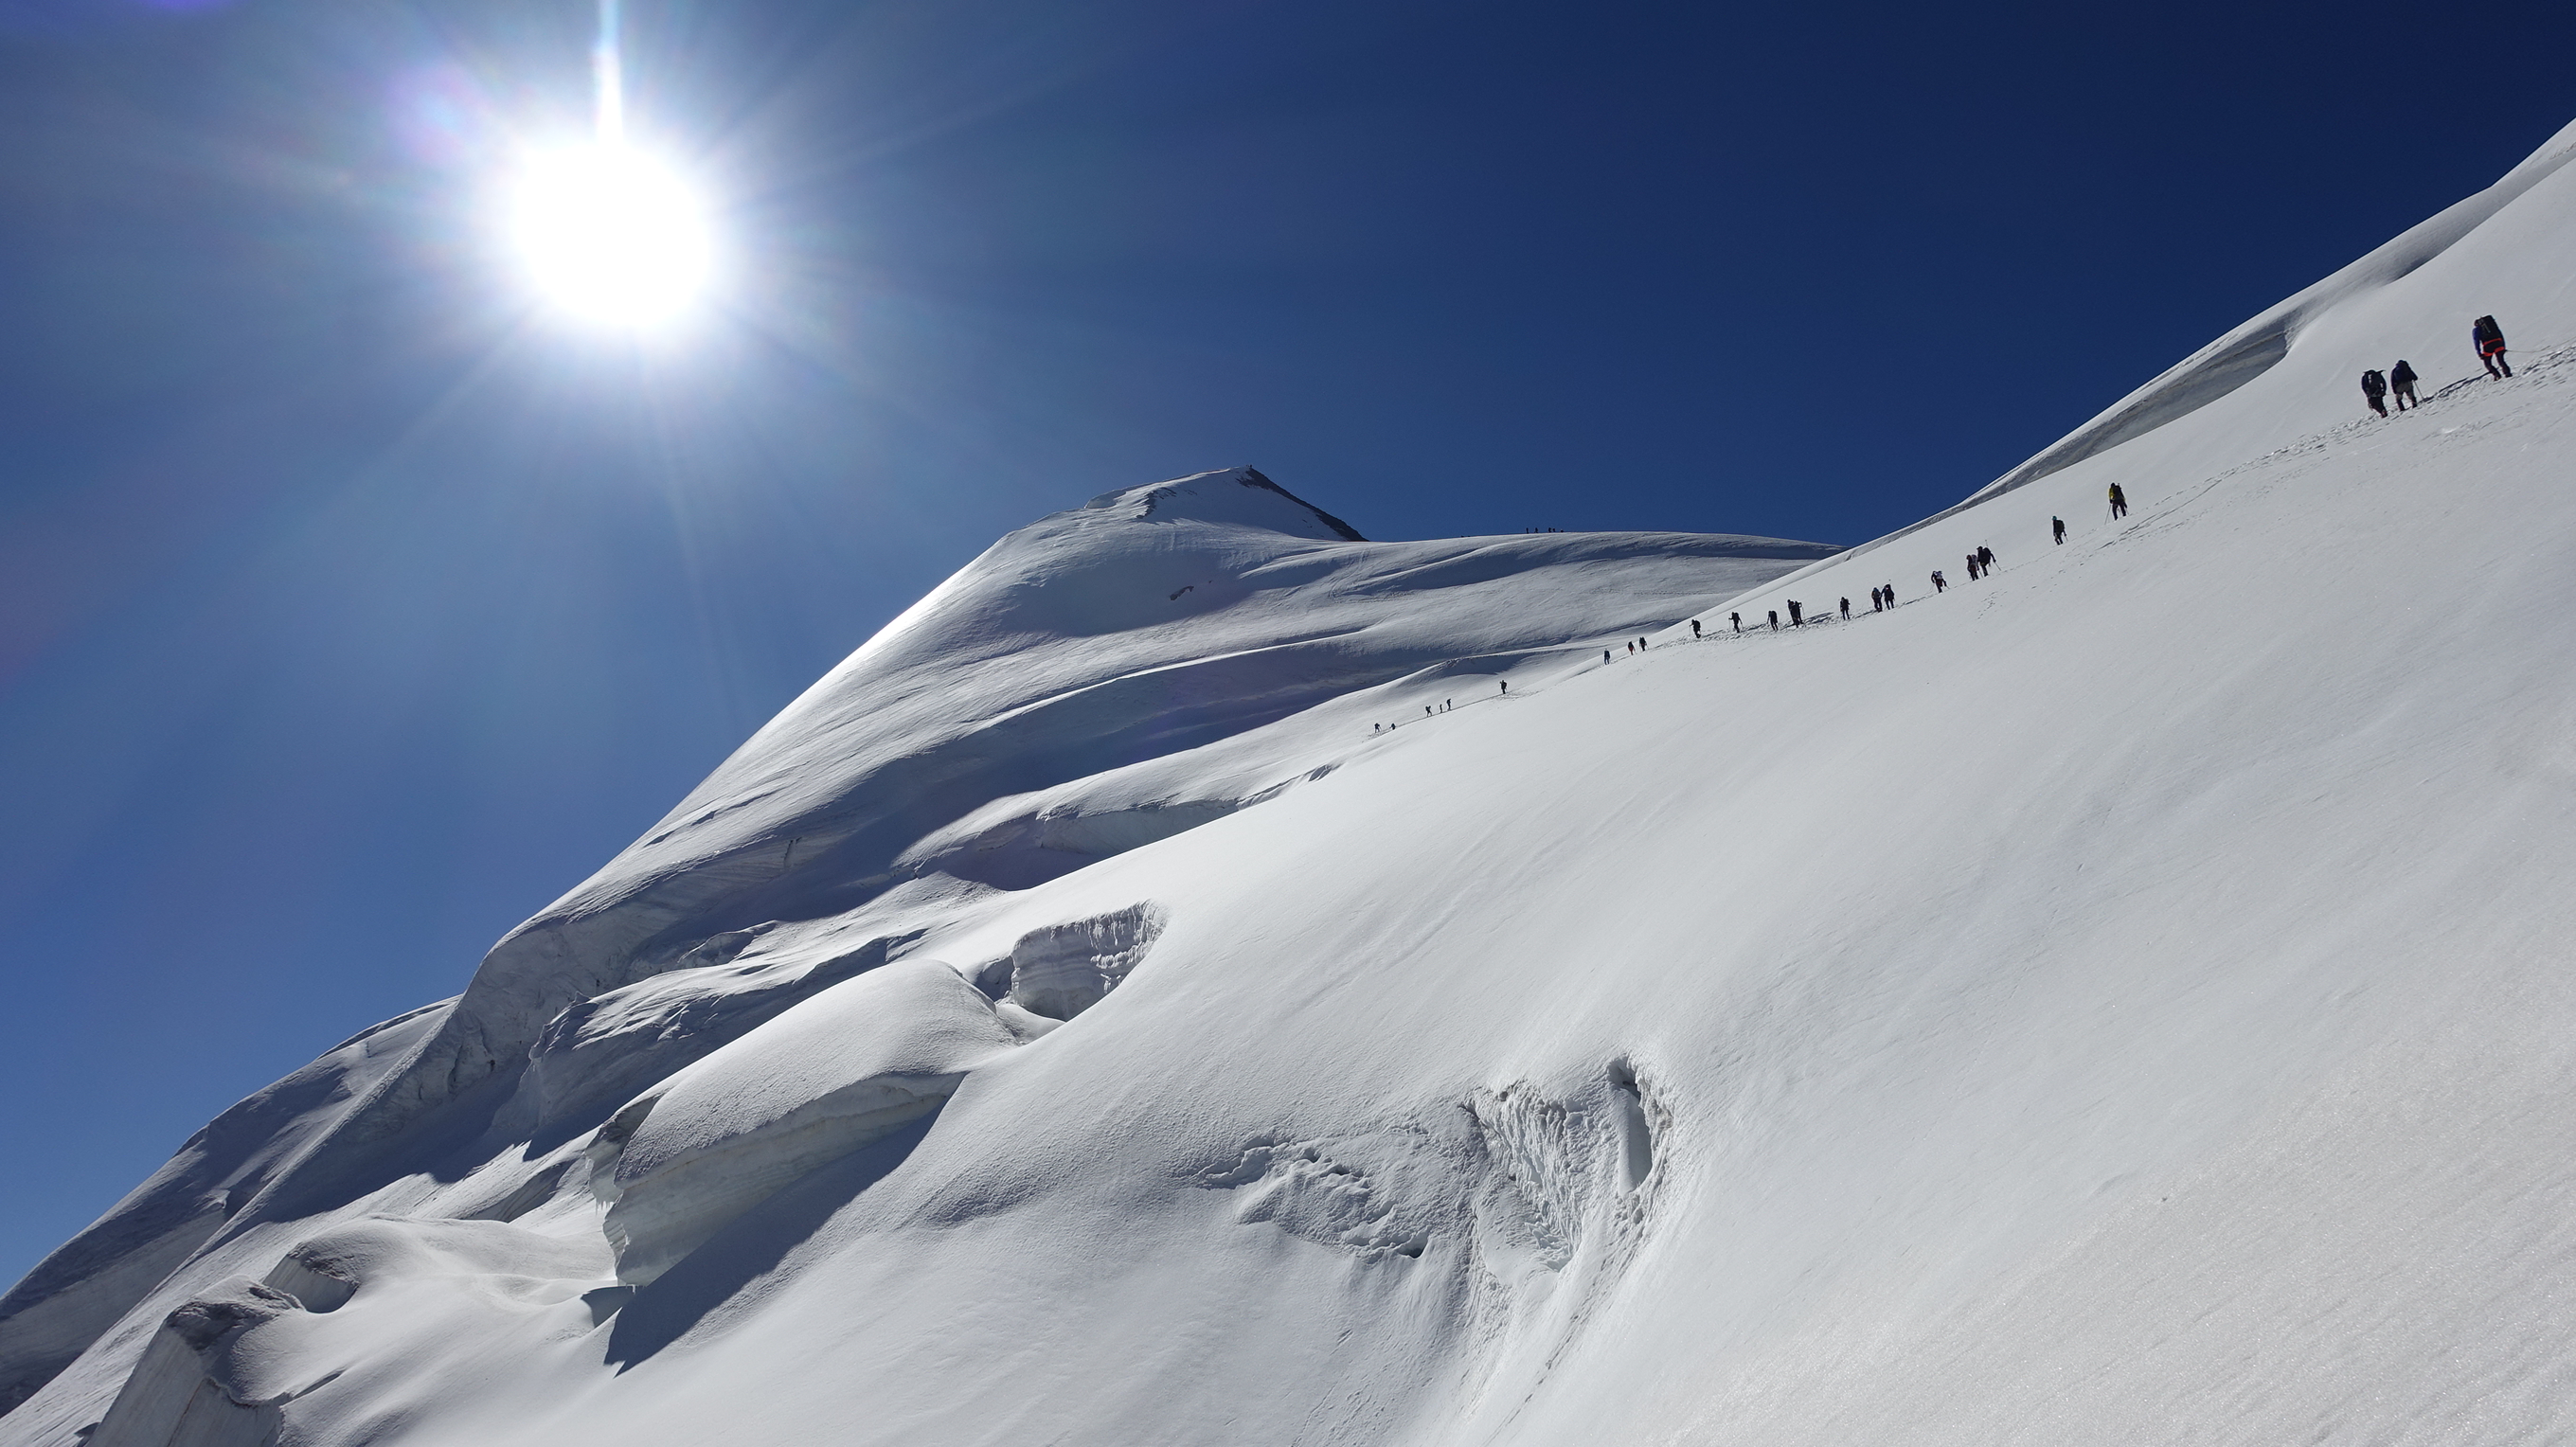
1062 970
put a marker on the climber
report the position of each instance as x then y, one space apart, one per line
1737 619
2374 387
1877 603
1797 616
1507 685
1775 620
2057 525
1847 607
2401 382
1939 584
2119 502
1694 630
1972 567
2490 340
1986 557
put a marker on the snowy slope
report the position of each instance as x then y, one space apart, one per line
2126 999
1100 679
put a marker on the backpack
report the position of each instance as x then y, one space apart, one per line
2373 383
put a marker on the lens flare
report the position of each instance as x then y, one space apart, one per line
612 236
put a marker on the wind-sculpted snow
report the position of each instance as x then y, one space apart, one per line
80 1291
1146 625
850 1066
2126 998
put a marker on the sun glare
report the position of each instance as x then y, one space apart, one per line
611 236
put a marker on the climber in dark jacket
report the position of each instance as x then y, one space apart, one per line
2374 387
2490 340
2119 502
1797 613
1847 607
2057 525
1985 557
2401 382
1938 583
1737 619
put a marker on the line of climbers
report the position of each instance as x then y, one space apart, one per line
1882 598
2484 334
1981 563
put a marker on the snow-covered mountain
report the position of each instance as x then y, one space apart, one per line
1164 988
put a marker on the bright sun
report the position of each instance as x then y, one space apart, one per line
610 235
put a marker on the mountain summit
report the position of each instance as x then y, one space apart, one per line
1240 496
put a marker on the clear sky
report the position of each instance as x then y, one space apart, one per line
349 613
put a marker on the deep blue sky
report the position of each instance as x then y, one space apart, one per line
346 618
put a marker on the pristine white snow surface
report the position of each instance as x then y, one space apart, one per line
2127 999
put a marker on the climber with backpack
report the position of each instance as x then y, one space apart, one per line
2490 340
2374 387
2401 382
